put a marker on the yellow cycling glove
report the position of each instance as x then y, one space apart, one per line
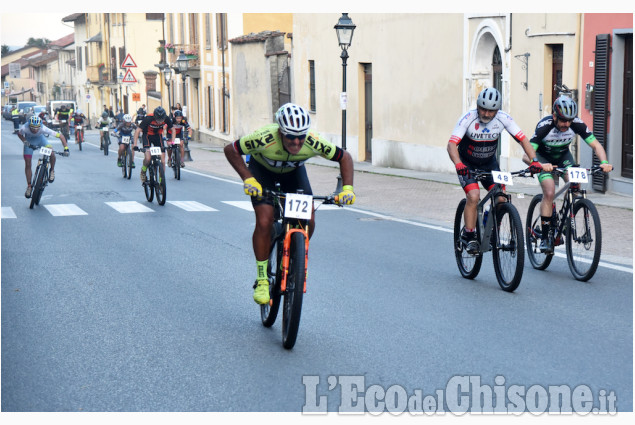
346 196
252 187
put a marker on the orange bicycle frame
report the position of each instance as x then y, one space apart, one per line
285 255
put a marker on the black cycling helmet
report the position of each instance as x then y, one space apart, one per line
140 111
63 108
565 108
178 113
159 113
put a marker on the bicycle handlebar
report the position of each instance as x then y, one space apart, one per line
37 148
482 174
328 199
593 170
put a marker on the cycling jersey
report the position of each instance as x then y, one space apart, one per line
79 118
553 143
180 129
35 138
103 122
63 115
153 131
477 142
265 146
124 130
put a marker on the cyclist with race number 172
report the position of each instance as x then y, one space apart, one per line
552 137
473 145
278 153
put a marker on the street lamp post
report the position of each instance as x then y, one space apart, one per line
120 79
167 75
344 30
88 86
183 64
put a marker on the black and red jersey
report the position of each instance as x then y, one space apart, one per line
153 129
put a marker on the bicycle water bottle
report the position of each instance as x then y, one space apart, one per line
487 208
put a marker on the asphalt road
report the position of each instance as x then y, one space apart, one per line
108 310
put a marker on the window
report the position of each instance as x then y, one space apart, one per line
171 27
193 28
312 86
154 16
182 28
79 58
221 31
210 107
208 32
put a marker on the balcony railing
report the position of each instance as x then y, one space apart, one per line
173 53
97 74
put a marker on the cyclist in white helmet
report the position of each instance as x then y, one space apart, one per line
473 145
278 153
126 128
552 137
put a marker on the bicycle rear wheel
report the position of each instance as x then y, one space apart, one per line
469 264
533 235
269 312
292 308
37 186
129 161
160 183
176 163
509 249
584 240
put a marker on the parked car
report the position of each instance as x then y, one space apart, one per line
22 108
6 111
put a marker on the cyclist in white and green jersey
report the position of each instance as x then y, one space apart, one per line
552 137
278 153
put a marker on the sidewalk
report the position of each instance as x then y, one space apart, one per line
429 197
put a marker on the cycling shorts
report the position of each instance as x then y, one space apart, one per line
469 182
289 182
39 140
154 140
563 161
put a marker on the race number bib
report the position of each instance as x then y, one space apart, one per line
177 141
298 206
125 139
577 175
46 151
79 127
155 151
503 177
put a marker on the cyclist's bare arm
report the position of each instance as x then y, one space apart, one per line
453 152
236 161
346 169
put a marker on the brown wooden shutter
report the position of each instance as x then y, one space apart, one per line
601 107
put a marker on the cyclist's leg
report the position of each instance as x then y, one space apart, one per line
472 195
28 155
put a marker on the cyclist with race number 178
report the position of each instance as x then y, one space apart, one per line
552 137
278 153
473 145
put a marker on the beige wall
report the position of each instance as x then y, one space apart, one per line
417 82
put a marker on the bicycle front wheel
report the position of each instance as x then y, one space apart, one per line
176 163
584 240
160 183
292 308
509 248
80 139
106 143
148 185
269 312
37 186
469 264
129 161
124 163
533 236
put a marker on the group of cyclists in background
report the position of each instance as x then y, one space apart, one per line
277 154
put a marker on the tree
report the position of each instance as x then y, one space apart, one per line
38 42
5 49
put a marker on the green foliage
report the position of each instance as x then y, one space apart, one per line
38 42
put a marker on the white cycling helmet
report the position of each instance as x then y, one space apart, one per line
293 120
127 118
490 98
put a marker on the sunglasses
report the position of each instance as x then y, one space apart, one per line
290 137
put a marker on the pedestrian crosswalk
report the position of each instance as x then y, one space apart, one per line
129 207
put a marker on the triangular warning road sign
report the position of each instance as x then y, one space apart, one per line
129 77
128 62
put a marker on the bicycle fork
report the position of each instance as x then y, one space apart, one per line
286 253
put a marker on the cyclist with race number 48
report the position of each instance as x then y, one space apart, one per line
33 133
552 137
278 153
473 145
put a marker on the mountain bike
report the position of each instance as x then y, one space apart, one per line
79 135
127 158
498 229
577 222
155 183
104 139
41 176
175 158
288 259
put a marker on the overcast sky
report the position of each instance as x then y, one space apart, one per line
17 28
